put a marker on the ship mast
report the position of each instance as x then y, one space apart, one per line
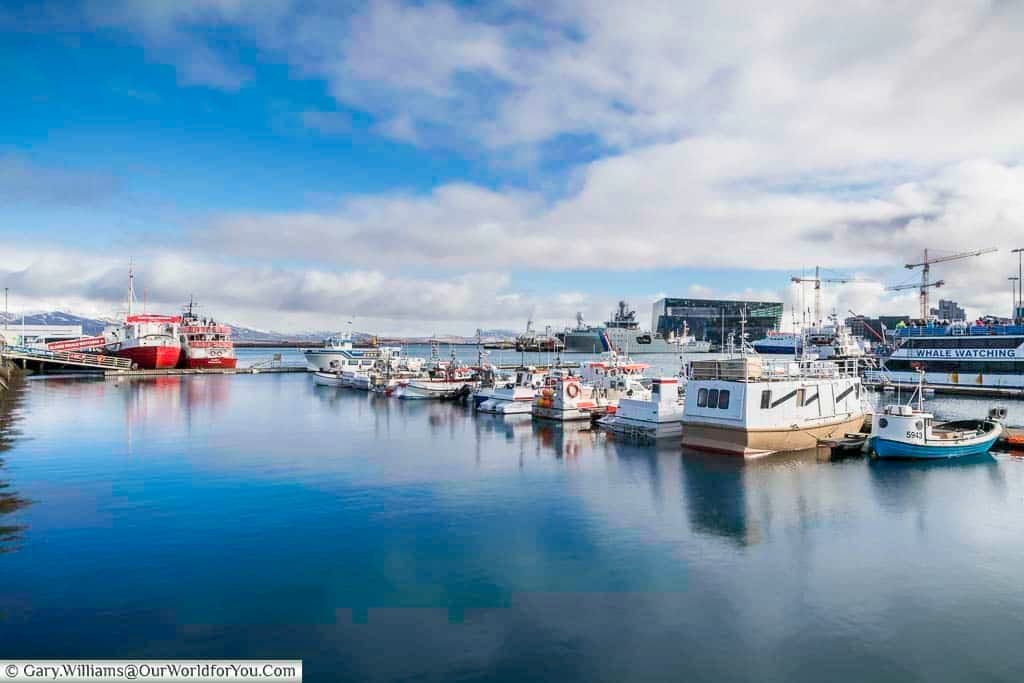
131 286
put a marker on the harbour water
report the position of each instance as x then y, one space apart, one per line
263 516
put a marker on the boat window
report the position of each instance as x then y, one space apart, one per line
766 399
883 423
713 398
919 425
702 398
723 399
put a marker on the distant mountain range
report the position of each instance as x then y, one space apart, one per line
93 326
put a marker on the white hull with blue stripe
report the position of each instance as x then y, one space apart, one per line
900 431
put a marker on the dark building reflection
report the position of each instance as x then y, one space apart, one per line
10 502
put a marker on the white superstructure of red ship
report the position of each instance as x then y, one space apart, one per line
150 341
205 343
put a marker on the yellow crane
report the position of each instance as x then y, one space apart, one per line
925 266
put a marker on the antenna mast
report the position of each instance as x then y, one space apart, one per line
131 285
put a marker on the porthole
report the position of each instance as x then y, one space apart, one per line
883 423
919 425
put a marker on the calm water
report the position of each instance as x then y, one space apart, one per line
262 516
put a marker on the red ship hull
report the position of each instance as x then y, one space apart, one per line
152 357
204 363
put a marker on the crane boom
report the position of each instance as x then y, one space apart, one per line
926 264
899 288
817 280
951 257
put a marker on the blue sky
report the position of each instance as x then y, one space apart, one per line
428 166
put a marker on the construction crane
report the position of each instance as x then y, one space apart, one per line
817 280
925 266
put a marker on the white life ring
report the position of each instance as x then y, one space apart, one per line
573 390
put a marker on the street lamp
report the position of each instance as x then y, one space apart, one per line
1013 294
1019 303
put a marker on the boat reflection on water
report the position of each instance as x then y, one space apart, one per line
508 427
904 485
11 533
716 496
750 501
566 439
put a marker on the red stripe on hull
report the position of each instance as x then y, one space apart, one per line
200 363
152 357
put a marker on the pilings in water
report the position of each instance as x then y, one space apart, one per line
6 370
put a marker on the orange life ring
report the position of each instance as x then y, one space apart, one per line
573 390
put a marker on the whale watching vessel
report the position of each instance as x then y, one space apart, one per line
959 355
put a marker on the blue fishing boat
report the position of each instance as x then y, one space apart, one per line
901 431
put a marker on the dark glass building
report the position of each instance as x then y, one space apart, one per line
714 319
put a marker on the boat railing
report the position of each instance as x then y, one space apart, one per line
757 369
958 330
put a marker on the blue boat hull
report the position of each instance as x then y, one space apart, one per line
884 448
773 349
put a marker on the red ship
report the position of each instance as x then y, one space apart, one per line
204 343
150 341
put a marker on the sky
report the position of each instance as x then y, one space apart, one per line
433 167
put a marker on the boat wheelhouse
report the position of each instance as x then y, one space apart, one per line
659 415
956 356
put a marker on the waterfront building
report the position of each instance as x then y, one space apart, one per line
16 334
948 310
715 319
875 329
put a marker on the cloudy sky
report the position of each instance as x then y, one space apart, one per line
432 167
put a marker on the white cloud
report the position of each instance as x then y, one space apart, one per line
285 299
734 136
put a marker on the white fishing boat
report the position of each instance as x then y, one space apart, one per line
356 379
444 379
900 431
614 377
906 431
327 378
568 399
519 389
659 415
